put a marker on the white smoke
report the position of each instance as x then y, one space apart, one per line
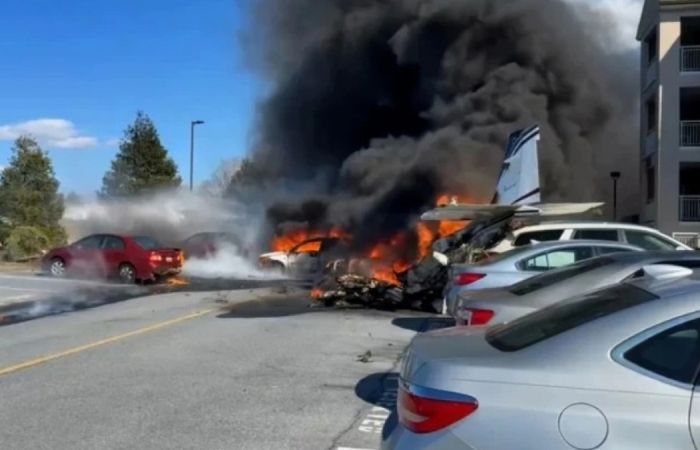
226 262
170 217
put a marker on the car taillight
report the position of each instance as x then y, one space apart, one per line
428 410
155 257
464 279
474 316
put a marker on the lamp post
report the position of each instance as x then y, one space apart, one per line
615 176
192 125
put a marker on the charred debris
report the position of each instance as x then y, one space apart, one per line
353 282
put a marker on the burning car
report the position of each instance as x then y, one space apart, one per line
128 258
306 258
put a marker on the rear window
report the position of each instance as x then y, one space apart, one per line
648 241
550 278
564 316
597 235
608 250
537 236
147 243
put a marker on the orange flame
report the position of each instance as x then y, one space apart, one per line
446 199
287 242
386 274
385 256
177 281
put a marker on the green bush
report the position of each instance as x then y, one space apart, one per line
25 242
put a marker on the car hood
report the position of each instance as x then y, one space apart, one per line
273 255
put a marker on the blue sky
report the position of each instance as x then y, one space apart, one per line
90 65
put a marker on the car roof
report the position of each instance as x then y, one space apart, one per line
585 224
578 243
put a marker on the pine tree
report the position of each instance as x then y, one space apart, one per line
29 192
142 164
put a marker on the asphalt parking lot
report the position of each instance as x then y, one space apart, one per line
247 369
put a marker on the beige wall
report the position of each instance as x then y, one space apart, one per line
664 212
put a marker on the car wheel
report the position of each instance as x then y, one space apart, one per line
57 267
127 274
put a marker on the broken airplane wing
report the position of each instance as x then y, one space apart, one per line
518 188
472 212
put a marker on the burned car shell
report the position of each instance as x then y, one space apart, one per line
307 257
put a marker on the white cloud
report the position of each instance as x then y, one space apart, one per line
114 142
51 133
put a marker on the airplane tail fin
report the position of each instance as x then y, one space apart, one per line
519 182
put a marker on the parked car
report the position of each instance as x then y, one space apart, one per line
637 235
492 306
207 244
128 258
614 369
522 263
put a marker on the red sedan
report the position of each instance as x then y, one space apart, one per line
129 258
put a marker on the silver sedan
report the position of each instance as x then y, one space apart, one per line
492 306
615 369
522 263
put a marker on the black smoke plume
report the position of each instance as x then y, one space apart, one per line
379 106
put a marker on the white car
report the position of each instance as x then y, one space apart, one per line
637 235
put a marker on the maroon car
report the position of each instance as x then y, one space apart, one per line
129 258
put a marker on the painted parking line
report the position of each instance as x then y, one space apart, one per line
151 328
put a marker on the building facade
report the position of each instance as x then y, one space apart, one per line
669 32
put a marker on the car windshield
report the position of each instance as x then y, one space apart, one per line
555 276
147 243
564 316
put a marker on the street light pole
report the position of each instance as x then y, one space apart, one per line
615 176
192 125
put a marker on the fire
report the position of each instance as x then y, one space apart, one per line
177 281
448 199
386 274
429 232
388 258
287 242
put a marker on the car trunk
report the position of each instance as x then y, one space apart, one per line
454 353
166 261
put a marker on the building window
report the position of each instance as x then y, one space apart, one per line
651 115
650 179
651 44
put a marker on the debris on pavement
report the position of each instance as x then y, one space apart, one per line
365 357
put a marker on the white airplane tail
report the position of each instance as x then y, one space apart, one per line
518 191
519 182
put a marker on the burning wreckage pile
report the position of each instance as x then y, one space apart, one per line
362 281
382 278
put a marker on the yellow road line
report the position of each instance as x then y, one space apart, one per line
82 348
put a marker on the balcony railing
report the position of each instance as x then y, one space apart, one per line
689 208
690 58
690 133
